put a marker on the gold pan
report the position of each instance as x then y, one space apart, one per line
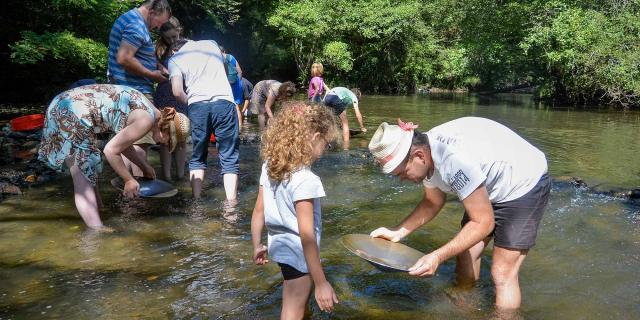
382 254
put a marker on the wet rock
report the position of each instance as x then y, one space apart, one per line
30 144
25 155
634 194
11 175
8 188
578 182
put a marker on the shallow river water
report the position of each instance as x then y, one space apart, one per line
174 258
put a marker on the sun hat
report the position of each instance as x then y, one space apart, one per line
391 143
180 129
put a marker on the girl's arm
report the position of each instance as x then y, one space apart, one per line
326 88
325 296
271 99
257 223
359 117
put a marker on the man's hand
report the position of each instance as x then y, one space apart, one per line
384 233
131 189
425 266
260 255
158 76
325 296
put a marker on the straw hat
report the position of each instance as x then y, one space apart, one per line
180 129
391 143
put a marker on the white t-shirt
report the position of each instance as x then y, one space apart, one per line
200 64
284 242
470 151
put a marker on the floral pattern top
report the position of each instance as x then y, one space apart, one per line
76 116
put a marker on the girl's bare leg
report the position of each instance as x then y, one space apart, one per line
295 297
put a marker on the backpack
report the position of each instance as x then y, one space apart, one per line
230 69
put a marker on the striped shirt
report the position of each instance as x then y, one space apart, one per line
131 28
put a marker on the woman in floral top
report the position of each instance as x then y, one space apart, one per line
73 119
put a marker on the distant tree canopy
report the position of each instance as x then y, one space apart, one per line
573 51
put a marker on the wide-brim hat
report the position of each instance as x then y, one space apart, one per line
390 144
180 129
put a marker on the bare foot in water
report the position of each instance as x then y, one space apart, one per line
102 229
229 210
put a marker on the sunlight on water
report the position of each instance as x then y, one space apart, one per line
176 258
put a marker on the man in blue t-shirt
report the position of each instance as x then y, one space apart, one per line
132 60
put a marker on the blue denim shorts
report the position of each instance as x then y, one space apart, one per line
220 118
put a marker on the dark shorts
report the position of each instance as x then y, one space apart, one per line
334 102
517 221
221 119
289 272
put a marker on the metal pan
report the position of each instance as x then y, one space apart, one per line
149 188
383 254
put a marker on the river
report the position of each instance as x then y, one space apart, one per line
174 258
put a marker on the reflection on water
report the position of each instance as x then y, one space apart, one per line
179 258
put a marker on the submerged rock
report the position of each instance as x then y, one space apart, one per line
8 188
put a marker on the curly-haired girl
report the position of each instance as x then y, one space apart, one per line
289 204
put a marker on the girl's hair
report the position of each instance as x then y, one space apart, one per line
162 46
317 69
357 92
285 143
287 90
176 46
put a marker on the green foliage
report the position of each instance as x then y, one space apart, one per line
574 51
369 37
337 54
588 56
62 47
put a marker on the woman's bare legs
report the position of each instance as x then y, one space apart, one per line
85 197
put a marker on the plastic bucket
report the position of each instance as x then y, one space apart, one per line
26 123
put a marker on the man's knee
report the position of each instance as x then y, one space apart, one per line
503 273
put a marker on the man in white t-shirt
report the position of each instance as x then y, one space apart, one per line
500 178
198 66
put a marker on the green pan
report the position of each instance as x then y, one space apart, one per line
149 188
383 254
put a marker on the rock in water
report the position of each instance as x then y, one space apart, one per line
7 188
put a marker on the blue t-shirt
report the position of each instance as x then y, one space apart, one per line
130 27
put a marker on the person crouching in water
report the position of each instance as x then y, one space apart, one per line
289 204
73 120
340 99
264 96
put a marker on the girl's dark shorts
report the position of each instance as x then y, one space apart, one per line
289 272
334 102
517 221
